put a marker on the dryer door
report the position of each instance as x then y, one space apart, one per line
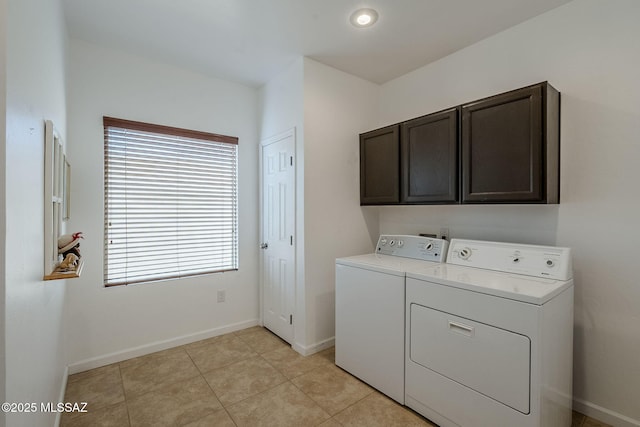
492 361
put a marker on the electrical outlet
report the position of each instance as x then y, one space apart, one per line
222 295
444 233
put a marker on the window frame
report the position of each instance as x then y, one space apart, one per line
111 122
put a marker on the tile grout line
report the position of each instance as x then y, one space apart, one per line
287 380
126 404
312 399
264 391
224 408
161 385
290 380
256 354
200 374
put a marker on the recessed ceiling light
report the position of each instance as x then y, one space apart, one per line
364 18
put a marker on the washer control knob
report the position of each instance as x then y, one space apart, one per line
550 263
464 253
400 243
392 242
383 241
428 246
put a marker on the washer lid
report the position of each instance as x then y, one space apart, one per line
384 263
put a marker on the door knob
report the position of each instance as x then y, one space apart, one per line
264 245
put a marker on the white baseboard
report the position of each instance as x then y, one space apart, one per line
314 348
63 389
603 414
119 356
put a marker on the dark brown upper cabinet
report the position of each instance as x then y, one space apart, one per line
430 158
380 166
502 149
510 147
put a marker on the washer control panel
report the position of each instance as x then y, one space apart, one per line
529 260
417 247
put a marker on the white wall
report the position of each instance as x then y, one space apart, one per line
588 50
337 107
281 101
35 91
108 324
3 210
281 109
328 108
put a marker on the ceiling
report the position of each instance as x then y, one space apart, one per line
250 41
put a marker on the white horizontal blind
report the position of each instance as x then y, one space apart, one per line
170 203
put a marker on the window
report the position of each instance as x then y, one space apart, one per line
171 206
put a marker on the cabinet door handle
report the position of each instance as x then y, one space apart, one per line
461 328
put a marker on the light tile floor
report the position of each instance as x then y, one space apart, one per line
245 378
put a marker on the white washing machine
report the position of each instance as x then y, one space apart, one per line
370 301
489 336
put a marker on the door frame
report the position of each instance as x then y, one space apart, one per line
264 142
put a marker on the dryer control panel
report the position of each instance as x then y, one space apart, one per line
529 260
417 247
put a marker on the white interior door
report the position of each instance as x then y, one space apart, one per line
278 239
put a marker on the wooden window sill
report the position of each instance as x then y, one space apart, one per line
58 274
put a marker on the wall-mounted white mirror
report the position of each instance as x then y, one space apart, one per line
55 172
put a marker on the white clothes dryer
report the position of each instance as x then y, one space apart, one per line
370 309
489 336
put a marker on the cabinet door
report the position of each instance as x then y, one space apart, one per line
430 158
502 148
380 166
